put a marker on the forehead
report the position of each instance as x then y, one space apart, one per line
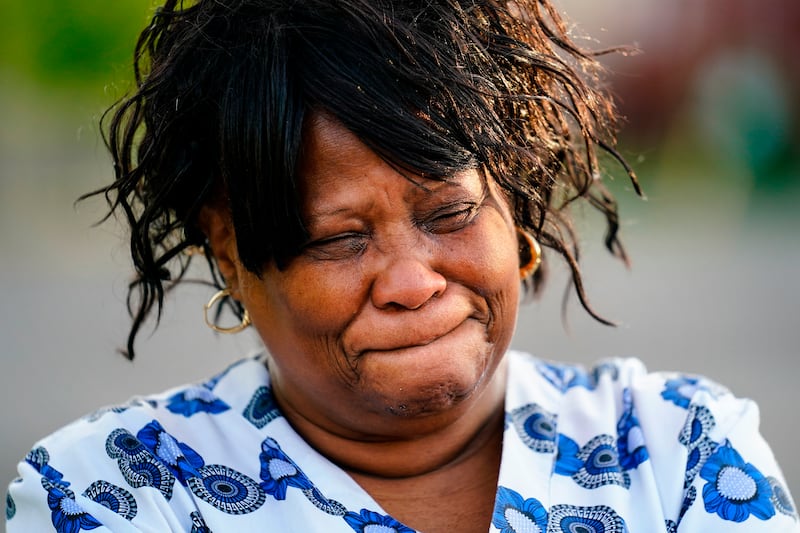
334 158
329 148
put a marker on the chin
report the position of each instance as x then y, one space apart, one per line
430 400
440 378
426 392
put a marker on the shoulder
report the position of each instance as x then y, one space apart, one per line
682 438
620 382
621 397
178 408
92 471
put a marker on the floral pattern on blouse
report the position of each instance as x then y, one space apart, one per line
735 489
591 451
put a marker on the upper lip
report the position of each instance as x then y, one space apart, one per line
391 344
375 330
400 333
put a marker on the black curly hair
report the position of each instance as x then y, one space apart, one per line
224 88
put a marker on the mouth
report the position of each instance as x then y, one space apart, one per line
396 340
431 355
410 374
450 326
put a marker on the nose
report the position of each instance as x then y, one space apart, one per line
406 283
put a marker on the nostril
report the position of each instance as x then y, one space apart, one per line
407 284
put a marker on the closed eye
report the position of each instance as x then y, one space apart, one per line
450 219
342 246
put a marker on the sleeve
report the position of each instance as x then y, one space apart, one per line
36 502
70 483
731 480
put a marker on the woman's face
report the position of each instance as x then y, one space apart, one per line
403 302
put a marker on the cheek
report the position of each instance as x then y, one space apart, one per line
485 259
300 319
488 256
313 305
502 294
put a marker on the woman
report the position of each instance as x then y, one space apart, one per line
369 182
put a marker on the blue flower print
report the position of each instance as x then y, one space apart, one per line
196 399
735 489
564 377
535 426
567 462
113 497
781 499
67 516
11 507
609 369
39 458
182 460
513 514
596 464
198 524
688 501
630 440
600 464
598 519
371 522
680 390
324 504
137 464
226 489
262 409
278 471
695 436
699 424
697 458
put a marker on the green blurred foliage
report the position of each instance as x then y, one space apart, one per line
736 123
72 42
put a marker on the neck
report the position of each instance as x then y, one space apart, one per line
467 483
436 444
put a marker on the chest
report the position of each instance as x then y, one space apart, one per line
464 506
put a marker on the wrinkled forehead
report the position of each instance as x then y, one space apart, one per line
332 156
329 147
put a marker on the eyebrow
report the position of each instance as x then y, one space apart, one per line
320 214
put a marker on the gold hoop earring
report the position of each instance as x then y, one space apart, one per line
219 295
530 254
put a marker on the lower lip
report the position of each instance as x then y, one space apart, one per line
458 337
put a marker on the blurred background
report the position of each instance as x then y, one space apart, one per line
711 106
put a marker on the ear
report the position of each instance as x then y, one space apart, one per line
216 223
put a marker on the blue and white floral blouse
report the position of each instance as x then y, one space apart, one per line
607 451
